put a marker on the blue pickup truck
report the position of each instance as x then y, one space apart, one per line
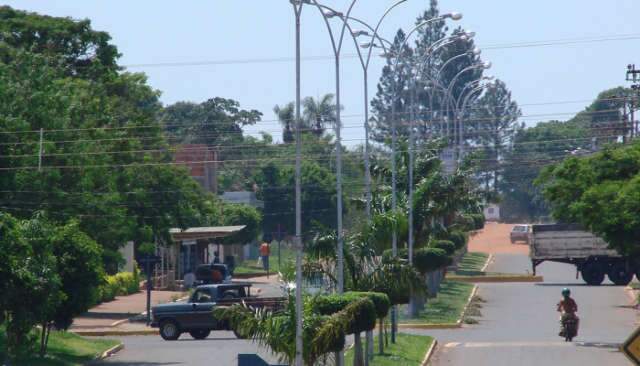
195 316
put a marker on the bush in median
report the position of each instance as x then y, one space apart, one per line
447 245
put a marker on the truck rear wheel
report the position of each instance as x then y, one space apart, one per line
592 274
619 274
200 333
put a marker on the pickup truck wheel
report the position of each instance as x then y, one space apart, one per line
169 330
592 274
619 275
200 334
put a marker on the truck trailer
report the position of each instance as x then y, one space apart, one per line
570 243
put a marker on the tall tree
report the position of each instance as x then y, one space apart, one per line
286 117
319 113
493 123
84 52
216 121
392 89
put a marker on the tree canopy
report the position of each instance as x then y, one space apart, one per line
601 192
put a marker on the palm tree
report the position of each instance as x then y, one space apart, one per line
286 118
319 113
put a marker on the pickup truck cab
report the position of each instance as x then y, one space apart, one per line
195 315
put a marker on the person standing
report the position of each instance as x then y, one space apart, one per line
265 251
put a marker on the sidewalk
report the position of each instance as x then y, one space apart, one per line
117 312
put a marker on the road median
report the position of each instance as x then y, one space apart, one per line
448 305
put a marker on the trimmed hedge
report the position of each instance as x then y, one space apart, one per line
466 222
430 259
380 301
458 238
331 304
447 245
478 221
359 316
387 254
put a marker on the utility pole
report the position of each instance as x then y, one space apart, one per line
633 75
297 9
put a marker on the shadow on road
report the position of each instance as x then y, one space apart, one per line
207 339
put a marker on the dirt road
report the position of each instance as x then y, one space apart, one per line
494 239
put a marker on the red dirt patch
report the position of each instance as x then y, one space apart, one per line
494 238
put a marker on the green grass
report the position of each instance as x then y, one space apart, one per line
445 308
471 264
409 350
67 349
251 267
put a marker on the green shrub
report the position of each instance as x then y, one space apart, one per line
465 222
388 254
380 301
447 245
330 336
120 284
430 259
478 221
458 238
359 316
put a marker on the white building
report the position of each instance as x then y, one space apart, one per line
492 212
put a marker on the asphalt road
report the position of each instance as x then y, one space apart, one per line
221 348
519 322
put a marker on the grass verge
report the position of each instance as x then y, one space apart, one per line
250 267
409 350
472 264
67 349
445 308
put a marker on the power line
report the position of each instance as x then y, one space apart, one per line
269 60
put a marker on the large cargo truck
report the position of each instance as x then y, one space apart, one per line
569 243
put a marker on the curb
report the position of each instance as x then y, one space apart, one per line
102 333
496 279
111 351
430 352
489 259
457 324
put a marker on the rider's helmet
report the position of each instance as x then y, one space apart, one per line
566 292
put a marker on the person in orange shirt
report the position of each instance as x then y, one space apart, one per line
265 251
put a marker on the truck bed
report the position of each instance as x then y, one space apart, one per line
557 241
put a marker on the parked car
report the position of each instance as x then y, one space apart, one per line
195 316
520 233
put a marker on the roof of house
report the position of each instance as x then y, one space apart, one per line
209 232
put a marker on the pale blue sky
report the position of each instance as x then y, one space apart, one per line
148 32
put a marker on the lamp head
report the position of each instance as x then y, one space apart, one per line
453 16
331 13
358 33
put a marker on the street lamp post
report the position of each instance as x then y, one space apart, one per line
398 58
297 9
462 108
484 66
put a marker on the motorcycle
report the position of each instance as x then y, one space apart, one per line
569 327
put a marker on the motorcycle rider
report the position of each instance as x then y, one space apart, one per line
568 308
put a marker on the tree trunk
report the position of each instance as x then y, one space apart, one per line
357 351
381 336
43 335
368 347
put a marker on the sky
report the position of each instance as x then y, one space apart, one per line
193 50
